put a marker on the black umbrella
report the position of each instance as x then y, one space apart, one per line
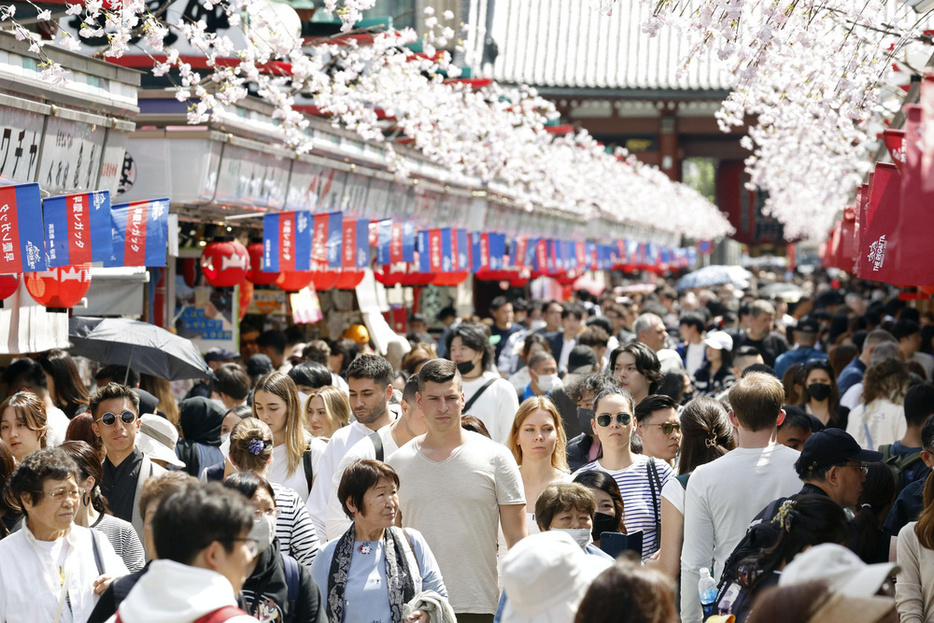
138 345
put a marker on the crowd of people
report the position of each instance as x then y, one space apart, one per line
672 456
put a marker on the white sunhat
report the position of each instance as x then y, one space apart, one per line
841 569
719 340
545 577
157 438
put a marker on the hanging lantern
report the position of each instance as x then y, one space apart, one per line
60 288
450 279
389 275
246 297
225 263
255 274
325 279
497 275
349 279
8 285
293 280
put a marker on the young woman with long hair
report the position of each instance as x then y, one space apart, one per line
538 442
275 402
914 585
879 419
23 424
66 388
327 410
706 434
635 367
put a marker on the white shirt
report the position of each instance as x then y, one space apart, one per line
497 405
694 357
566 348
880 423
279 469
722 498
853 397
336 521
30 583
341 441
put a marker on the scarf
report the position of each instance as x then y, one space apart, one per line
398 578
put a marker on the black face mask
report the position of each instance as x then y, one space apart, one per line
584 418
819 391
603 523
688 396
465 367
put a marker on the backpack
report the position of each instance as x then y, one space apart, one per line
898 465
758 536
292 579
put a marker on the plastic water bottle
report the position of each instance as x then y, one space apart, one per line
707 589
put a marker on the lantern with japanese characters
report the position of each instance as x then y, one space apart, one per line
225 263
8 285
59 289
256 275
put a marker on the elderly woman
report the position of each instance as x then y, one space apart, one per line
374 569
92 511
52 570
570 507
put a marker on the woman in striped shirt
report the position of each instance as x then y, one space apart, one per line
251 451
640 478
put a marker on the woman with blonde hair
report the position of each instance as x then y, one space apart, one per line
162 390
327 410
538 442
879 419
295 452
251 450
23 424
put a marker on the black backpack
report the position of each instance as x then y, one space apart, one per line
758 537
898 465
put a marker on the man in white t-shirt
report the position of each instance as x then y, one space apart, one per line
456 487
370 380
405 428
724 496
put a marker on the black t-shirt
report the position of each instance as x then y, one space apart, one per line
118 484
771 346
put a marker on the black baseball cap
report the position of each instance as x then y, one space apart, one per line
807 325
831 446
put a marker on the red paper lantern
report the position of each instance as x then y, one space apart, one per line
497 275
60 288
190 271
348 279
389 275
450 279
255 274
293 280
8 285
325 279
519 282
225 263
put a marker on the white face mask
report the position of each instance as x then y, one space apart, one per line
225 438
264 531
581 536
547 381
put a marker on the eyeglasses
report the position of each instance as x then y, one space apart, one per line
252 546
109 419
859 466
60 496
259 514
604 419
669 427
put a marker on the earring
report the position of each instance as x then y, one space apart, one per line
86 498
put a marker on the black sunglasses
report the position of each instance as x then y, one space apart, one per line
604 419
109 419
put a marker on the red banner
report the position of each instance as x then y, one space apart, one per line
875 254
912 221
895 142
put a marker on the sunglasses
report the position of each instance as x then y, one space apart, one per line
109 419
604 419
668 427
